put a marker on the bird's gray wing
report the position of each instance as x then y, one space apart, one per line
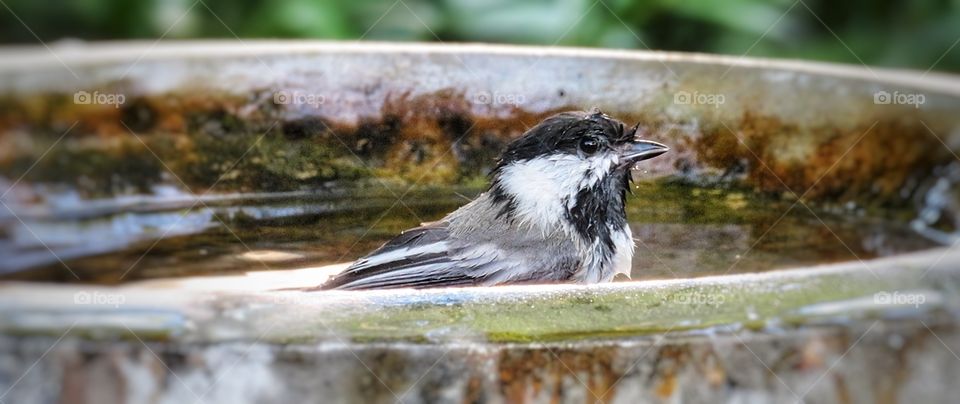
420 257
429 256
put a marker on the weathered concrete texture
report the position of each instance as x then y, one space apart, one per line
304 114
208 114
883 361
212 119
883 330
277 306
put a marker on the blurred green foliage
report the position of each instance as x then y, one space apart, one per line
911 34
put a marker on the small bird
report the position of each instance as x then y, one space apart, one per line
554 213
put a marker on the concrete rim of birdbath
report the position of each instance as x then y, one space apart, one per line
814 103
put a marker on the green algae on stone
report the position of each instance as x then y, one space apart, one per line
532 314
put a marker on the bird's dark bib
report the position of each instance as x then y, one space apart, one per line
600 209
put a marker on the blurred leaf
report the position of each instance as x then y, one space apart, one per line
885 33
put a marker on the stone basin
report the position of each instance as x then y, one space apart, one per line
166 208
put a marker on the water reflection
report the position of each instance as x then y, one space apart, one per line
681 231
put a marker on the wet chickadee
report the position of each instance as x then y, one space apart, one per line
554 213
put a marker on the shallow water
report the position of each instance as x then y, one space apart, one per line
681 232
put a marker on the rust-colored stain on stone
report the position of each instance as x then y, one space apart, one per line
597 371
666 386
875 159
249 143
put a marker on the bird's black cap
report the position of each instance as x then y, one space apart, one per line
564 133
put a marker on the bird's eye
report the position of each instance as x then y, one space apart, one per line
589 145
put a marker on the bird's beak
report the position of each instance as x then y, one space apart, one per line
640 150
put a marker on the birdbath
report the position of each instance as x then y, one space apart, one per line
167 209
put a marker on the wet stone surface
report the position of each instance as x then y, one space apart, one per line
205 173
294 170
820 364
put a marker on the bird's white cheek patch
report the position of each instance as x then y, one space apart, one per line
591 172
540 186
600 167
537 188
